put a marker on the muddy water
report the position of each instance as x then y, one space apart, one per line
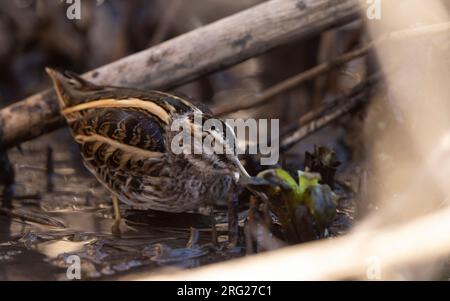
32 250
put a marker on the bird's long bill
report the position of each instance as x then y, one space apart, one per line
69 86
58 80
245 179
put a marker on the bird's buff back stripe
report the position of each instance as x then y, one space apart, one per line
187 103
148 106
135 151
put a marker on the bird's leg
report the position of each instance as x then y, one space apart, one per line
119 222
116 207
193 238
117 217
233 227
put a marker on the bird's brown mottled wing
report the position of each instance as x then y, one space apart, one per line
121 147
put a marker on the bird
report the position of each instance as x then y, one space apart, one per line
125 138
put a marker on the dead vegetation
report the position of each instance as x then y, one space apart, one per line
360 191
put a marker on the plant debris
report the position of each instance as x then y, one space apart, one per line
300 205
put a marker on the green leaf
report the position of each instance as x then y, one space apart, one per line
287 195
306 180
286 178
321 201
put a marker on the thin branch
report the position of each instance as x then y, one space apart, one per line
327 113
187 57
267 96
30 216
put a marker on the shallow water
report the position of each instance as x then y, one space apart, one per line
151 240
62 191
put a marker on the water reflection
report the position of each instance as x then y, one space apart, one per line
32 251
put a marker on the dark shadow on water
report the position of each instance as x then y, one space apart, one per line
18 262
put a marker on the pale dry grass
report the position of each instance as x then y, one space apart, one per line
409 235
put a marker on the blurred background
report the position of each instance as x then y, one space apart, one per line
50 179
393 153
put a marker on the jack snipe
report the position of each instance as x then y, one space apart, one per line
125 140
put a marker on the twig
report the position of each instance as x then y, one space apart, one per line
233 225
7 180
213 227
34 196
50 170
250 245
204 50
326 114
32 217
267 95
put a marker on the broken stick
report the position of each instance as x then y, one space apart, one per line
204 50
